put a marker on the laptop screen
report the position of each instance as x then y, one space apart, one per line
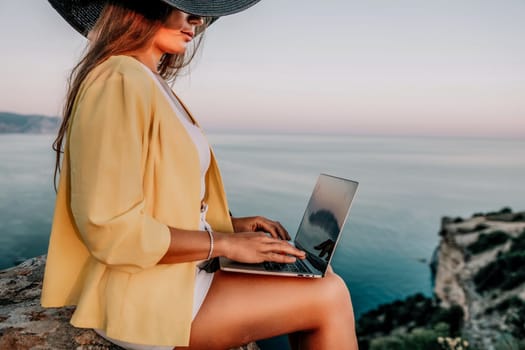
324 218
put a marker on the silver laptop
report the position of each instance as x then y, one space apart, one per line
318 233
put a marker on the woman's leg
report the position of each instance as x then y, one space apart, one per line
240 308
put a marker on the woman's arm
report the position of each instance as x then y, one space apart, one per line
105 155
247 247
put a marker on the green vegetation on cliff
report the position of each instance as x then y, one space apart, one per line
506 272
505 214
413 323
417 339
487 241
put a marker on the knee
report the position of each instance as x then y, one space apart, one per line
335 288
335 296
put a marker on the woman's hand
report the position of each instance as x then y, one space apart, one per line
255 247
260 223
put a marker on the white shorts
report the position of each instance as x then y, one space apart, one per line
203 281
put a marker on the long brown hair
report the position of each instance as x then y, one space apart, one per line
122 27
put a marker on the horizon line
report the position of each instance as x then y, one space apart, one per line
340 133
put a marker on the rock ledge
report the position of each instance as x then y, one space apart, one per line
25 325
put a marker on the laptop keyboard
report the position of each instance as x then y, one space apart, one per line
298 266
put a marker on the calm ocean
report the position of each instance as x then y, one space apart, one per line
406 186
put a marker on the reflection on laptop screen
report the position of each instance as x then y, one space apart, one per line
324 218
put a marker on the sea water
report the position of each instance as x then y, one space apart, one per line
406 185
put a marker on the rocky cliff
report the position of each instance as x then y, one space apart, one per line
479 291
480 266
24 325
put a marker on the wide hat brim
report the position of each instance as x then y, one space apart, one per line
83 14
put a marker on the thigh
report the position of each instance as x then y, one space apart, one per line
240 308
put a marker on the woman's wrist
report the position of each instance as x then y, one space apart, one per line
221 243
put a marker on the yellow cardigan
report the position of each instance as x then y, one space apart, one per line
129 171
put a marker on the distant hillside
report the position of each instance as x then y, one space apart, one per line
11 123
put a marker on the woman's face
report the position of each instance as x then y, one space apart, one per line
177 32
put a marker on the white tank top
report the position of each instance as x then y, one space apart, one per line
202 145
193 130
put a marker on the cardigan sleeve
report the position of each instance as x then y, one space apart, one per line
107 147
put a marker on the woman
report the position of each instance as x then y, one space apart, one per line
140 193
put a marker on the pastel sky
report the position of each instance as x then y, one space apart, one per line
404 67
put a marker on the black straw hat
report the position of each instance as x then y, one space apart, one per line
83 14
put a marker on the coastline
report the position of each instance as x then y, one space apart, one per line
477 297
